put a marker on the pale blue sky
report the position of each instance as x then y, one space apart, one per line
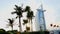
52 7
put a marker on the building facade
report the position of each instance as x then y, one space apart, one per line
40 20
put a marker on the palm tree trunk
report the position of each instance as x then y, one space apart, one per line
31 25
20 24
12 27
28 20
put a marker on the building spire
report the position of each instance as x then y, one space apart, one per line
41 6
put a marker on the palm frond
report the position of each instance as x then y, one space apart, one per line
17 17
13 12
16 6
11 21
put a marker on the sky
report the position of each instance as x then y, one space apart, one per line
52 7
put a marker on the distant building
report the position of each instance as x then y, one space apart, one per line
55 32
40 20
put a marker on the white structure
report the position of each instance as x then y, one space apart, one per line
55 32
40 20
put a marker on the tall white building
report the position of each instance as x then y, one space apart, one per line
40 20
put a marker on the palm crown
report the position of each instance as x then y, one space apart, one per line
18 11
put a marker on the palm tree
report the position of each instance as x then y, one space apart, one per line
18 11
11 21
30 15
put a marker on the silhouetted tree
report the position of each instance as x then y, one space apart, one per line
11 21
2 31
31 17
30 14
18 11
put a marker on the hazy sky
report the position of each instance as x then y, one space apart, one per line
52 7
